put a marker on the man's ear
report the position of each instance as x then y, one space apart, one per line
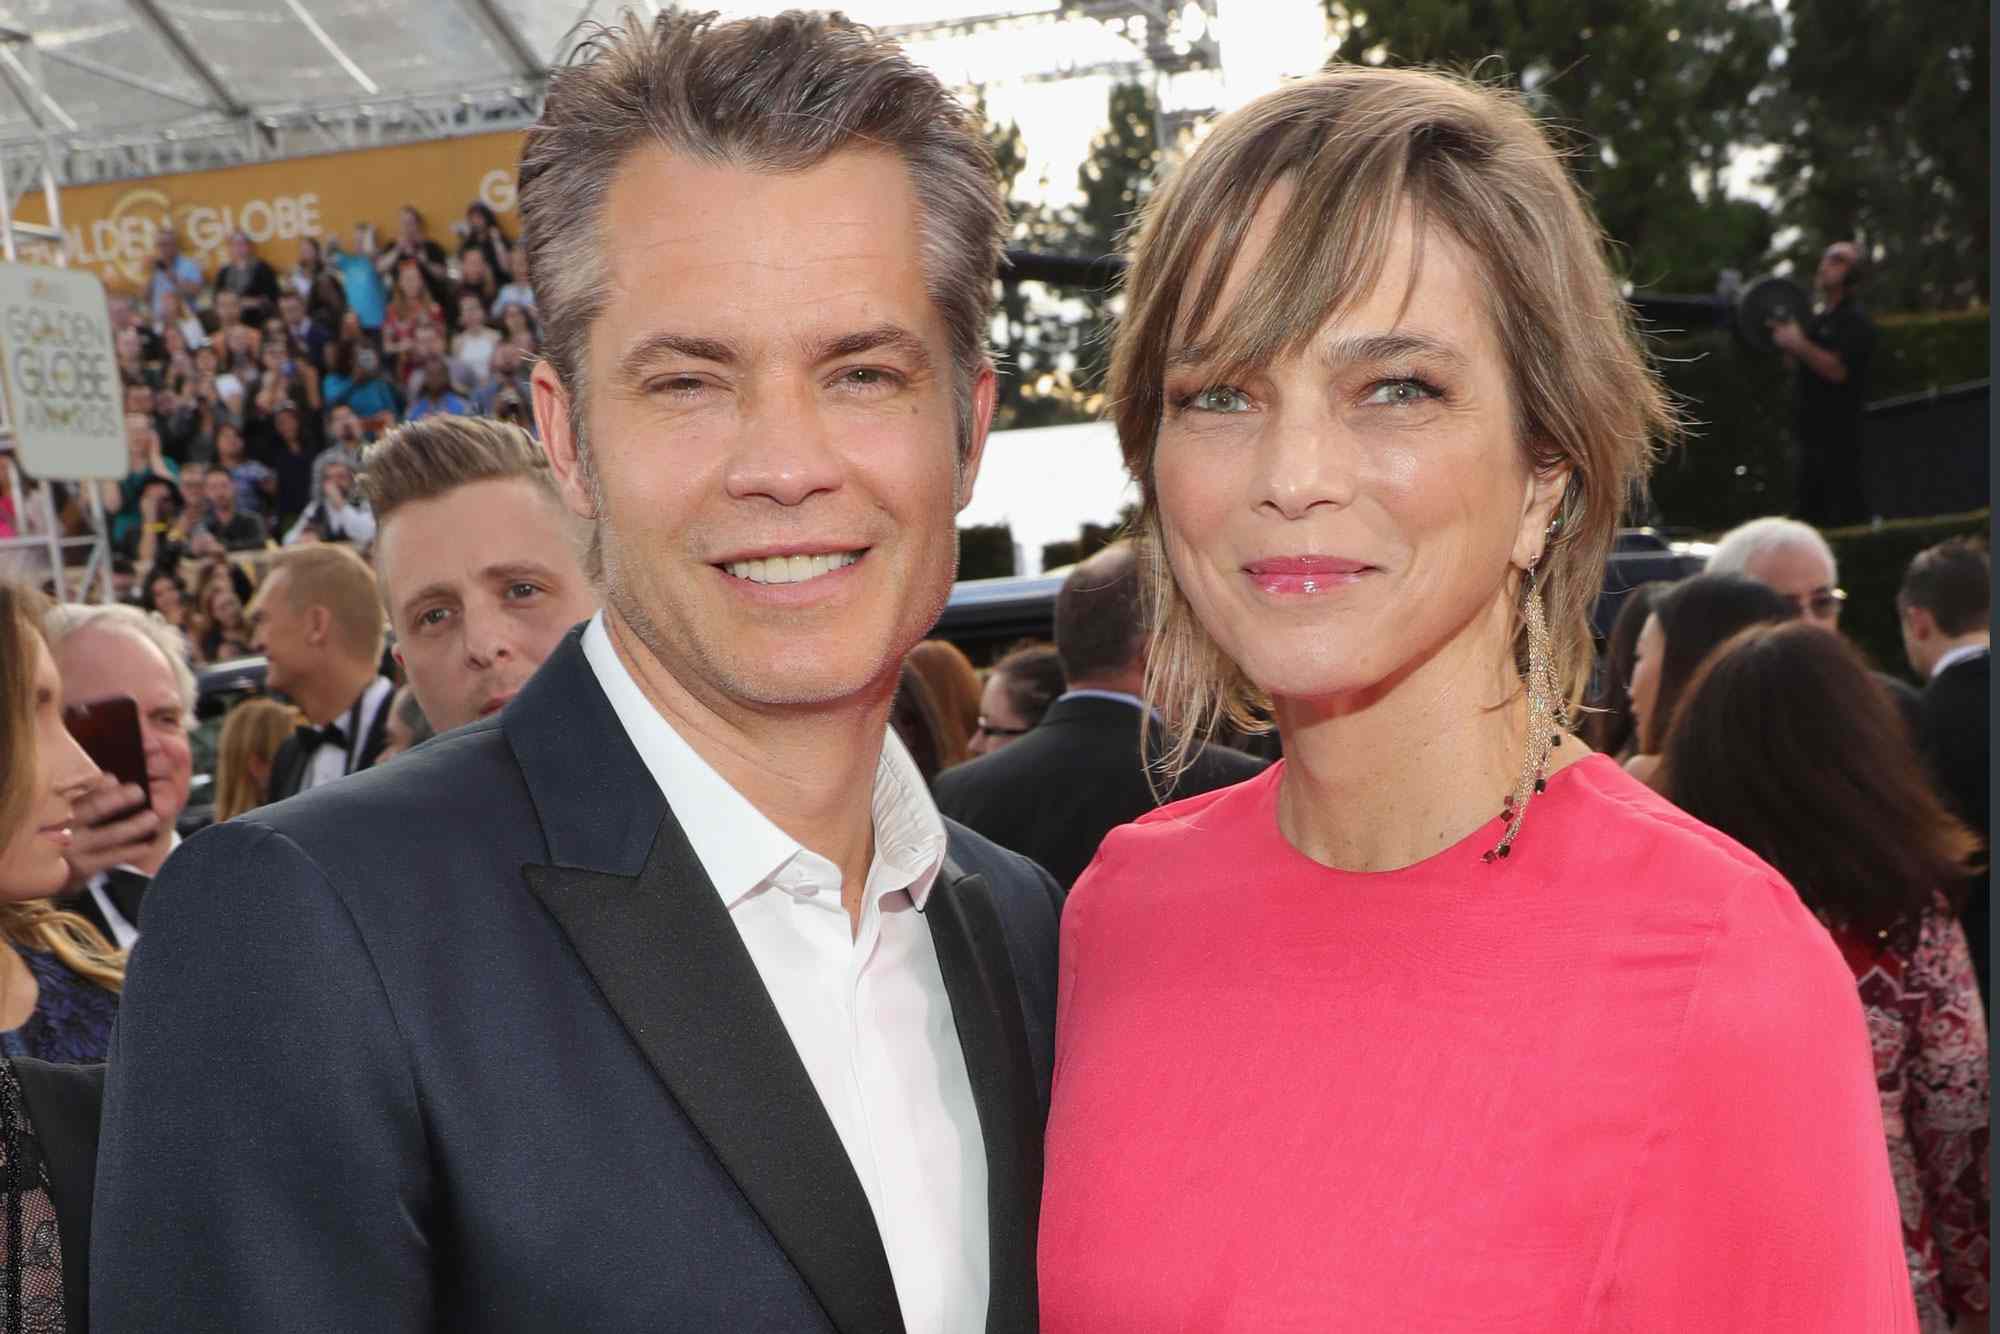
984 391
559 443
319 625
1919 622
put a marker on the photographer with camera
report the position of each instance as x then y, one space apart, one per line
339 514
1831 350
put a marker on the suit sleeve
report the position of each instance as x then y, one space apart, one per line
263 1162
1764 1199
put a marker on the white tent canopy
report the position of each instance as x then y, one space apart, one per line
115 89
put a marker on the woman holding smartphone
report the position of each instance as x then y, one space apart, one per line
1442 1023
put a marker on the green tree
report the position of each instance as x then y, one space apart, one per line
1882 123
1066 345
1118 175
1657 96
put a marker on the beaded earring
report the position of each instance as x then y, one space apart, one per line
1547 720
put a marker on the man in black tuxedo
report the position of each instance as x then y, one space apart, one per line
664 999
118 845
1053 794
318 622
1945 605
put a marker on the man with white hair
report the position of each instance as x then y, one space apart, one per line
1796 560
1788 556
102 653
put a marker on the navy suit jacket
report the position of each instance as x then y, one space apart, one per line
469 1043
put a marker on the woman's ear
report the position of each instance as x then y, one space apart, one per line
1541 504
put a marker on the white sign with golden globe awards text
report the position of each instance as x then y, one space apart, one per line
65 407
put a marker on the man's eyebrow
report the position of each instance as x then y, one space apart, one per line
507 571
656 346
893 337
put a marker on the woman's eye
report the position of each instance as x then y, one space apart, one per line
1218 398
1399 393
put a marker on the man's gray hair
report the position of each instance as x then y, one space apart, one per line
778 94
68 618
1738 548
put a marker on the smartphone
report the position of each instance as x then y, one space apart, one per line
108 731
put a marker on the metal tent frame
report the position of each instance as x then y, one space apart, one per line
21 70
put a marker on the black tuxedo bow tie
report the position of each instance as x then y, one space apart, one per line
125 889
312 738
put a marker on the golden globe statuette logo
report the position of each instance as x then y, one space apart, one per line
120 244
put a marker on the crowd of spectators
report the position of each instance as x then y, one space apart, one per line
250 395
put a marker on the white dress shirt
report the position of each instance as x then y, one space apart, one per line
330 761
123 933
866 1008
1956 656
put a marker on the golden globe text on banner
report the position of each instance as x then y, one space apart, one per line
109 229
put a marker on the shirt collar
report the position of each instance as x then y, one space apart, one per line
1956 656
1088 692
737 844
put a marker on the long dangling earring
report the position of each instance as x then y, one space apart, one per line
1546 717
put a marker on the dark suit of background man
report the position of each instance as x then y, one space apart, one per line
1055 793
318 622
664 1000
1945 605
1832 350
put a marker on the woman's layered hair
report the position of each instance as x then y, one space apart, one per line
36 924
1786 741
1362 145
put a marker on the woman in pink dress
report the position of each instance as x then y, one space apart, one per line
1442 1023
1785 739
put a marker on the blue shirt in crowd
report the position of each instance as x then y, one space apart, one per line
363 286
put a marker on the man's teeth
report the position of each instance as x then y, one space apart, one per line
789 569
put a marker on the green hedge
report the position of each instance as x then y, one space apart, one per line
985 551
1736 463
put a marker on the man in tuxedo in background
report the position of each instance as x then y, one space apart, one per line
664 999
1945 606
1056 792
118 846
318 622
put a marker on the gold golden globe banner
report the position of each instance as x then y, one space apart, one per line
109 228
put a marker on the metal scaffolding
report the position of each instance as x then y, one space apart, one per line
21 70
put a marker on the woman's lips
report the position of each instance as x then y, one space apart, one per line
1305 575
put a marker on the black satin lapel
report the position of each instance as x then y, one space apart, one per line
986 1010
671 965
